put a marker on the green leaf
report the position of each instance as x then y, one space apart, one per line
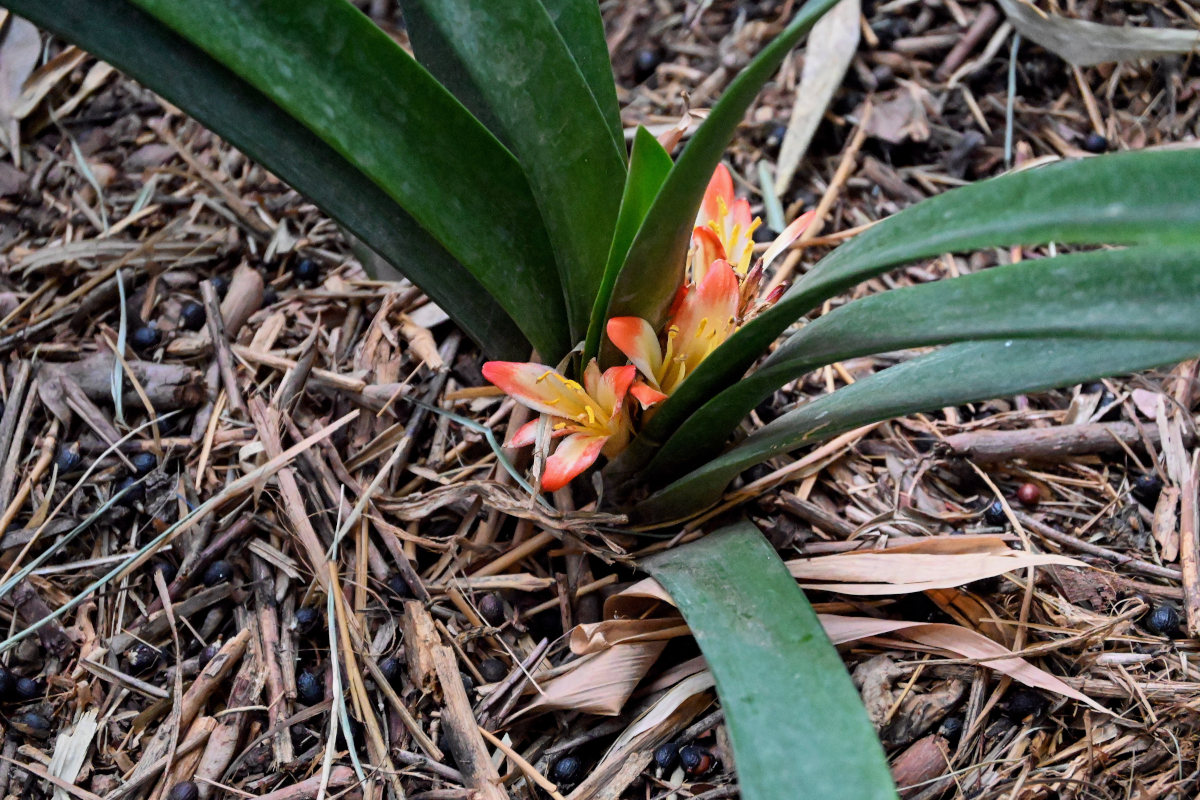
582 28
1145 292
796 722
648 168
521 67
958 373
654 268
142 47
1126 198
339 75
577 21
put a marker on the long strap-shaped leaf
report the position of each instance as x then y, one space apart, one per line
958 373
649 165
1127 198
581 27
653 268
144 48
1145 292
797 724
522 69
338 74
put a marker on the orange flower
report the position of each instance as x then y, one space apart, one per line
592 417
704 316
721 296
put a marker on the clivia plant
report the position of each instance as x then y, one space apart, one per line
492 170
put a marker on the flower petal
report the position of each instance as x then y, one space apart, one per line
527 434
706 248
539 387
614 385
706 318
574 454
645 394
790 234
720 188
635 337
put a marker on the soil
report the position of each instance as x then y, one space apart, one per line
292 424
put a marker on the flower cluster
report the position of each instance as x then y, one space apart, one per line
719 294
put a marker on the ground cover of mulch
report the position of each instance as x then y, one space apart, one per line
150 272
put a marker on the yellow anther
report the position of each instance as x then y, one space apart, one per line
545 375
591 415
558 426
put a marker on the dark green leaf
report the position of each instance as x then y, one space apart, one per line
796 722
144 48
958 373
582 28
334 71
523 71
648 168
1126 198
1146 292
654 268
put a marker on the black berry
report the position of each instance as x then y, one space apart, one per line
951 729
67 458
306 620
145 337
1146 490
134 491
142 658
567 770
306 272
1095 143
994 513
696 761
34 725
218 572
1023 703
27 688
166 568
310 689
192 316
491 608
667 755
8 684
393 671
143 463
493 670
184 791
207 655
220 285
1162 621
645 63
399 588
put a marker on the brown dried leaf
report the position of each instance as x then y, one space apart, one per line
831 47
957 642
597 636
600 684
935 563
1084 43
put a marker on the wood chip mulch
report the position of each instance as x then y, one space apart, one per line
171 312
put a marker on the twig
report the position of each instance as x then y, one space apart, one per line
221 351
1189 546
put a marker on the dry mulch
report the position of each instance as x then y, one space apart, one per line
297 436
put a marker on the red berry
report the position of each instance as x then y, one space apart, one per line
1029 495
